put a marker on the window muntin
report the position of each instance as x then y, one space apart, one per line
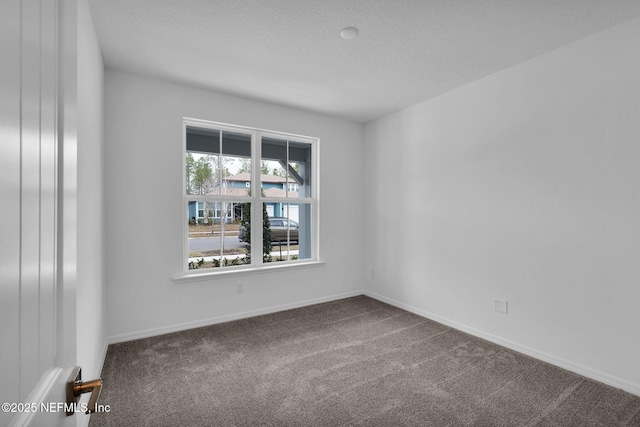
219 178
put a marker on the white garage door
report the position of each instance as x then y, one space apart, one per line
291 212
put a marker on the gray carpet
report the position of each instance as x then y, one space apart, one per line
355 362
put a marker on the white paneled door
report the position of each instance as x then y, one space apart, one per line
38 166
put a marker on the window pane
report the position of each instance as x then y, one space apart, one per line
299 176
286 168
218 163
215 240
200 168
272 167
235 162
289 235
299 221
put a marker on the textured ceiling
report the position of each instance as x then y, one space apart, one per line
291 53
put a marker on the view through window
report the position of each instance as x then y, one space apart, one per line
223 165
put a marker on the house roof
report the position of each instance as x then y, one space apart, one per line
279 192
230 191
243 192
246 177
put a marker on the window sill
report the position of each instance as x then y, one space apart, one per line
208 275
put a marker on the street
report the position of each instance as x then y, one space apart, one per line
213 243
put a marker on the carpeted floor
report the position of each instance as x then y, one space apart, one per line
356 362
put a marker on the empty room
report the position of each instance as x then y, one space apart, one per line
320 213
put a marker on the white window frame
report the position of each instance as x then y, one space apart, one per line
256 200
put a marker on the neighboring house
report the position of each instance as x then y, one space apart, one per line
238 186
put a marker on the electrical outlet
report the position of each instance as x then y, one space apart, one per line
500 306
240 288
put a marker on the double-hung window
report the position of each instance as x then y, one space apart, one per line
250 197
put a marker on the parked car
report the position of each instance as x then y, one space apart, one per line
278 227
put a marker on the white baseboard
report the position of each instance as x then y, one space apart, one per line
221 319
585 371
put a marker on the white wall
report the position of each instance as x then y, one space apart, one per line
91 315
523 186
144 205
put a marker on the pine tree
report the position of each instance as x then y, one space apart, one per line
266 231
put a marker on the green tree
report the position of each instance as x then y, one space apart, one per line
245 166
189 168
279 172
264 167
222 173
266 231
202 176
222 168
